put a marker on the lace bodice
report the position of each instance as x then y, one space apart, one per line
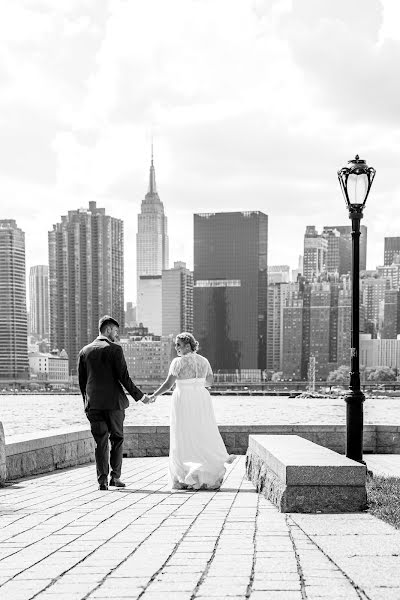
190 366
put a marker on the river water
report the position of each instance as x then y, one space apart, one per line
32 414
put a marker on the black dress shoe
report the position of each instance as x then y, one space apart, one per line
103 486
117 483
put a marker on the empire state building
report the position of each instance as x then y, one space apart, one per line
152 255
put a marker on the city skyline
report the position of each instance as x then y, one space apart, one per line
258 114
291 264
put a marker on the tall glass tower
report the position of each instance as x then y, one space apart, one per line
14 329
230 291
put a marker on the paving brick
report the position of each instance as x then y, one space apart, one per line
276 595
276 584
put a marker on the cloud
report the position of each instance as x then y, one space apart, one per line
337 46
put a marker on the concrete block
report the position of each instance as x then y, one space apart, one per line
239 451
316 428
387 438
300 476
41 455
233 428
140 429
333 440
242 441
157 451
385 428
140 452
162 429
131 443
153 440
229 439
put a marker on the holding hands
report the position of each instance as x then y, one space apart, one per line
147 399
168 383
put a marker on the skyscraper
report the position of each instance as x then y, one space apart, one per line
149 302
231 287
39 300
372 291
274 325
320 315
151 238
177 300
315 253
14 329
280 296
282 306
392 247
344 325
86 277
130 315
278 273
333 250
148 358
292 334
345 247
299 270
391 320
320 325
391 272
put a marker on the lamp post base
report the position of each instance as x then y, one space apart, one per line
354 425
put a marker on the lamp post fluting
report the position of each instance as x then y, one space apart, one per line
355 182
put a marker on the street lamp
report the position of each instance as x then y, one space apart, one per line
355 182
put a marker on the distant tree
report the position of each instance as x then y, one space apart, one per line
341 376
277 376
380 374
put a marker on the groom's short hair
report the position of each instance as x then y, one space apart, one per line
107 320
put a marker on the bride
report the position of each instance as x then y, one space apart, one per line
197 453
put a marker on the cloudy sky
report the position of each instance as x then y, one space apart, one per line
253 105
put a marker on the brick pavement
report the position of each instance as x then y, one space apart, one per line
60 538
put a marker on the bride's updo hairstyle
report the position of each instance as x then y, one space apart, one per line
188 338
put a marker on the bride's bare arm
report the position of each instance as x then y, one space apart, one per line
209 379
209 375
164 387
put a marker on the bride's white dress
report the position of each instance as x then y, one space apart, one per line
197 452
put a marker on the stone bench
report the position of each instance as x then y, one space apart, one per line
300 476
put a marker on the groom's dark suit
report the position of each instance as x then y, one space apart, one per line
101 370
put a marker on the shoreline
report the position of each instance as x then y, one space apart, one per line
236 393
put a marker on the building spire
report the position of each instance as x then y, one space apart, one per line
152 182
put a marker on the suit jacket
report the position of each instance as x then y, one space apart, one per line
101 371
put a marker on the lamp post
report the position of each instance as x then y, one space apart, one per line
355 182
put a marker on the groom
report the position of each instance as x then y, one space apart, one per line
101 371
